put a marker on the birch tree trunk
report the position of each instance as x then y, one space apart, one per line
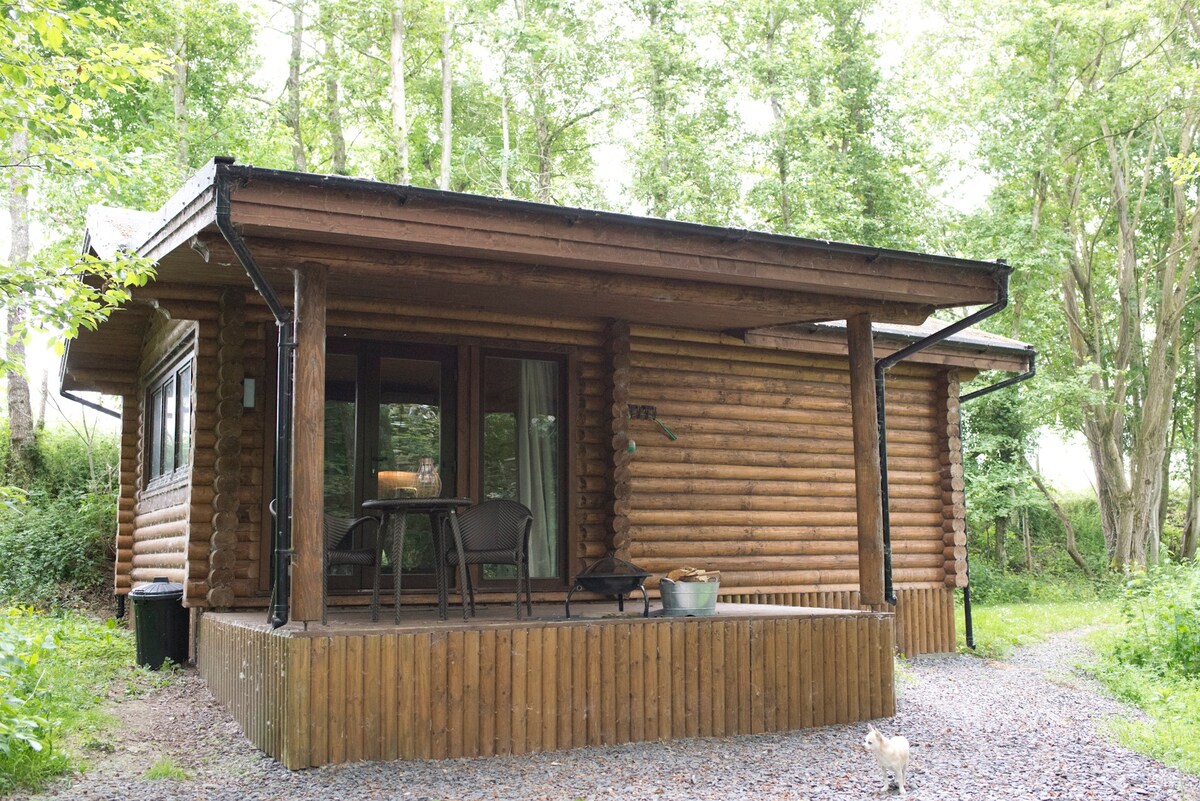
299 158
20 415
505 145
179 82
1191 529
447 98
397 95
333 113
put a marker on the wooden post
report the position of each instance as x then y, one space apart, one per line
308 450
867 481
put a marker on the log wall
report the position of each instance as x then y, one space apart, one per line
760 484
924 616
160 515
457 691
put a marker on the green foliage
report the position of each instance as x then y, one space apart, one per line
166 768
55 670
1001 629
1153 660
56 540
1161 610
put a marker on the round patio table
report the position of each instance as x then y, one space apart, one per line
393 517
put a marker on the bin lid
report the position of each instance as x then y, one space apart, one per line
160 588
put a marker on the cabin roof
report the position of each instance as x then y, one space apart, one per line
420 245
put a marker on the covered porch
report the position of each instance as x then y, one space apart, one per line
355 690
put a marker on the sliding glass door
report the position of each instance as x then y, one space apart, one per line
388 406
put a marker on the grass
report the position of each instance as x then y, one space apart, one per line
56 670
1002 628
166 768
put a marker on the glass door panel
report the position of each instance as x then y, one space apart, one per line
410 429
522 447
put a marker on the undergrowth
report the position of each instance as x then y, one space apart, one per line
1153 661
55 670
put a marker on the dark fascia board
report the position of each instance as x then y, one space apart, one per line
226 169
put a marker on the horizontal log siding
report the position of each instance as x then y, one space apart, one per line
257 439
760 484
525 688
924 616
204 456
160 516
129 476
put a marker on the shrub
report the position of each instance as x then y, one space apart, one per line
1161 610
56 540
54 671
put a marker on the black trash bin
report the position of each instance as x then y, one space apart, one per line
160 623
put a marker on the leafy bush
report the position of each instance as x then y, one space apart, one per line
56 541
1161 610
54 671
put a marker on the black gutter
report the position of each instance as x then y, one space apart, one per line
1000 274
62 393
968 621
282 530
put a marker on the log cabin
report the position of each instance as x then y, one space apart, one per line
782 410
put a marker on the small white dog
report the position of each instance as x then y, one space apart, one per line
891 753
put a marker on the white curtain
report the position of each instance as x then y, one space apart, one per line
537 454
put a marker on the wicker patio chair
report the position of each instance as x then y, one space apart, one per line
493 533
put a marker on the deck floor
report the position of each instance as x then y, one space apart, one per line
357 620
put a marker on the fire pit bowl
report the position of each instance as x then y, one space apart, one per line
612 577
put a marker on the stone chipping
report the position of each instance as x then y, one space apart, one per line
1029 728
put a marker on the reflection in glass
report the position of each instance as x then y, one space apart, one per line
521 433
410 429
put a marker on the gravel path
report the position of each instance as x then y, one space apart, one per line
980 730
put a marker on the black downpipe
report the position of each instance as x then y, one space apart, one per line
881 367
85 402
282 532
968 622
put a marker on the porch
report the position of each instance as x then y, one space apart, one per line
355 690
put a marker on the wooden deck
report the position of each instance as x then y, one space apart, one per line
355 690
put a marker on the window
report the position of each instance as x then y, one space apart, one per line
169 423
523 457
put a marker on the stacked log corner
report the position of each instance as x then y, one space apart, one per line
130 479
621 479
953 486
231 337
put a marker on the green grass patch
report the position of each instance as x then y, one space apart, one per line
1002 628
1153 660
166 768
55 672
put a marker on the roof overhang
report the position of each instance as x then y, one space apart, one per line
383 241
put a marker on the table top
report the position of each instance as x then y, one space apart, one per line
415 504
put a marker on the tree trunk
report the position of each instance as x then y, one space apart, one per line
299 158
397 96
179 86
1060 513
505 145
1027 541
447 98
1001 549
1191 529
21 435
333 114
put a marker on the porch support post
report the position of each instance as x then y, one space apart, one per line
867 476
308 459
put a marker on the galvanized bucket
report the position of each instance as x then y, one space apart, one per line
689 598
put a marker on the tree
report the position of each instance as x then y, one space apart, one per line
1081 111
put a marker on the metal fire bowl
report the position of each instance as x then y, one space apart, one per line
611 583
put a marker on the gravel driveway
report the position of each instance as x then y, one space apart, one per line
979 729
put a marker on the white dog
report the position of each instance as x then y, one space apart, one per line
891 753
